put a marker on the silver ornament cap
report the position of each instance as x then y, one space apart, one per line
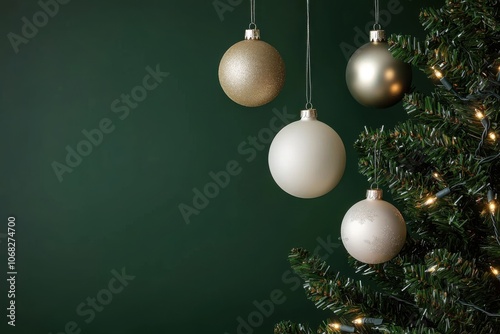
377 36
308 114
252 34
374 194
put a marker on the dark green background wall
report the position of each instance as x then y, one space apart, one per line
119 207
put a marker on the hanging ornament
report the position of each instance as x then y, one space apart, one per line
307 157
373 231
251 72
374 77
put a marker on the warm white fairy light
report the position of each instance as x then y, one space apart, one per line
479 114
431 200
432 269
437 176
440 194
495 272
342 328
492 205
335 326
446 84
438 74
371 321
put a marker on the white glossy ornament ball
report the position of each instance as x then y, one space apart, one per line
373 231
307 157
252 72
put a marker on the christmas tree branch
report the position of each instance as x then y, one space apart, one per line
345 297
442 168
287 327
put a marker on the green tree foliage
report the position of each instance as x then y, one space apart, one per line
444 280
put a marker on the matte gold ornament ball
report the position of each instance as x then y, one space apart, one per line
252 72
374 77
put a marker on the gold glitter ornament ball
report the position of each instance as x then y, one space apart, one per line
251 72
374 77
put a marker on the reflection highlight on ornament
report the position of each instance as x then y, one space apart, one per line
367 72
395 88
389 74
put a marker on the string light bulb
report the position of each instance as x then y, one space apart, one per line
446 84
495 272
436 175
371 321
432 269
342 328
479 114
486 123
440 194
431 200
493 136
438 74
492 205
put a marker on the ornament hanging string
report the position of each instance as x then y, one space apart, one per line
309 104
376 159
376 25
252 24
